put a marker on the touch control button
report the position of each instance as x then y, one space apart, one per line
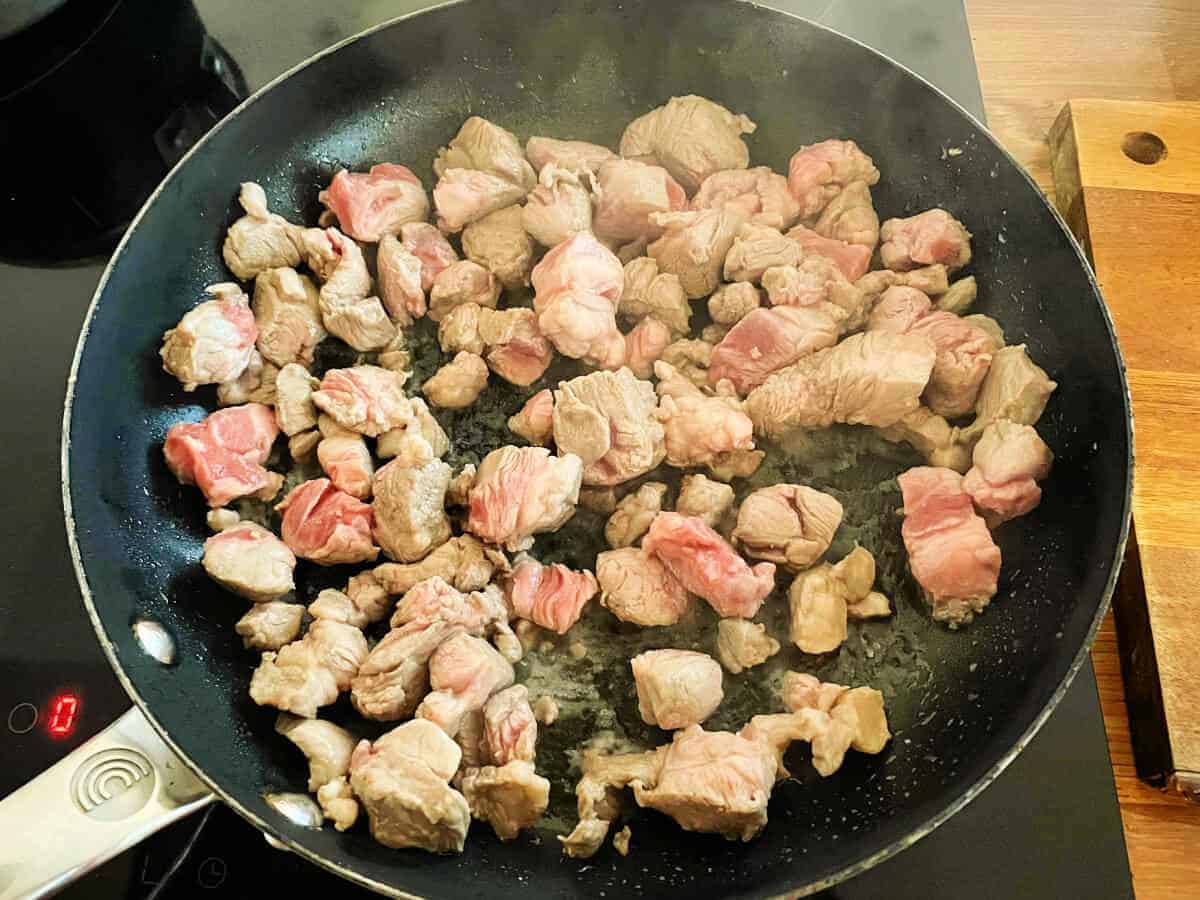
22 718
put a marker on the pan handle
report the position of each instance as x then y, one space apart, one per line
106 796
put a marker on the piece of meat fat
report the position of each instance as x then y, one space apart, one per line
743 645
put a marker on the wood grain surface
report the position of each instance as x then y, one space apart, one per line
1033 57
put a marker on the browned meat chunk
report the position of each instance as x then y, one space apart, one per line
410 514
743 645
498 242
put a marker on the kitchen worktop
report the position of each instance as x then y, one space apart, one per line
1032 58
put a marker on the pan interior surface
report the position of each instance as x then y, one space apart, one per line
958 702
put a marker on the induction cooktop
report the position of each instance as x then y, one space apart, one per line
1048 827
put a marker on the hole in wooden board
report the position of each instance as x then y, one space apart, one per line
1144 147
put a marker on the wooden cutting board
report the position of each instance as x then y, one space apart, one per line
1127 180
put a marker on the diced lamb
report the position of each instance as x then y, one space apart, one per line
214 340
462 282
644 344
310 673
509 727
287 311
852 260
768 340
933 236
370 204
327 526
260 239
636 587
256 384
676 688
514 345
607 420
463 196
705 564
763 192
713 781
394 677
326 746
950 550
694 244
365 399
572 156
690 358
704 498
423 431
649 293
964 352
757 248
250 561
271 625
457 384
535 421
817 283
485 146
628 194
346 309
463 673
400 281
498 242
818 172
522 491
867 379
789 524
1016 389
804 691
557 208
508 797
302 446
294 408
743 645
633 515
577 286
410 514
462 561
224 454
700 430
363 602
1009 461
550 596
347 461
430 246
692 137
850 217
402 783
731 303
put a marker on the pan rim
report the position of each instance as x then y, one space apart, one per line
353 875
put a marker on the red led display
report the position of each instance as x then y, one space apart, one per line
64 710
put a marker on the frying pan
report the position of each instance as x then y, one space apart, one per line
962 704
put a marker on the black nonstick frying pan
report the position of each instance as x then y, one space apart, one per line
962 704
